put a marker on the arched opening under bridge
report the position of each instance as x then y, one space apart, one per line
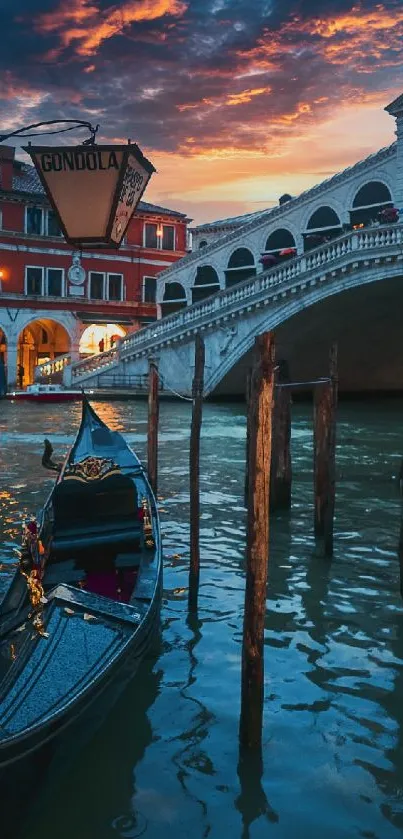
364 321
41 340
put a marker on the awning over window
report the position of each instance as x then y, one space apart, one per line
88 317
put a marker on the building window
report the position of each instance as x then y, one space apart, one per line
52 228
55 282
34 217
150 236
149 289
33 280
168 238
96 285
160 236
115 287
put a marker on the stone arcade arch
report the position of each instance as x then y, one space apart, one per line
279 240
40 340
323 224
206 283
241 266
174 299
92 337
368 201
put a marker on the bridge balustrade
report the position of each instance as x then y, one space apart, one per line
355 241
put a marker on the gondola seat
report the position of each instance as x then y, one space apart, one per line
94 514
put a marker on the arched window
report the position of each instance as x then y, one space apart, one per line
372 194
174 299
206 283
203 243
323 225
368 202
241 266
279 240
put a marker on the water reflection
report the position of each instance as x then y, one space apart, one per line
98 794
166 763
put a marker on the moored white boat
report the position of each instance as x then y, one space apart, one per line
45 393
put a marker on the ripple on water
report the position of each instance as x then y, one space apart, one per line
166 760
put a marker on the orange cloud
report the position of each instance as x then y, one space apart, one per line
245 95
358 36
82 22
227 99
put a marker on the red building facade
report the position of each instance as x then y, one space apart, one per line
58 302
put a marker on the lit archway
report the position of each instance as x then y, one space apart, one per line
206 283
100 337
41 340
241 266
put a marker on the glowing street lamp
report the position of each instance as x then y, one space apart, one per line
93 189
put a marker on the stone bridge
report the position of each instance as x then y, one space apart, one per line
349 290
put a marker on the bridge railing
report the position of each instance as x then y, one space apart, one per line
51 368
356 241
95 363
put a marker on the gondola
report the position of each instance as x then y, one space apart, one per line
83 606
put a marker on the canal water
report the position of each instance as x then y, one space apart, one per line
165 763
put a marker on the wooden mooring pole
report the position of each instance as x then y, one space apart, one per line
194 473
281 469
247 400
152 429
325 405
260 418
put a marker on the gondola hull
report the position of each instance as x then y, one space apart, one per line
102 582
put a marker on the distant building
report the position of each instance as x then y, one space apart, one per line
56 302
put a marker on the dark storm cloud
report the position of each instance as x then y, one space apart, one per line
196 75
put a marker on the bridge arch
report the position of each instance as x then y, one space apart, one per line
367 199
278 240
202 244
272 319
205 284
241 265
174 298
324 223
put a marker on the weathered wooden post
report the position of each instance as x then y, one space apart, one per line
152 429
247 400
252 692
325 404
194 472
281 469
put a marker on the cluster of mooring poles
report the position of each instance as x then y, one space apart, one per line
267 489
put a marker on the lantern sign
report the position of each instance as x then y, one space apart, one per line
94 190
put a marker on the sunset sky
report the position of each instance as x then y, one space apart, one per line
234 101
